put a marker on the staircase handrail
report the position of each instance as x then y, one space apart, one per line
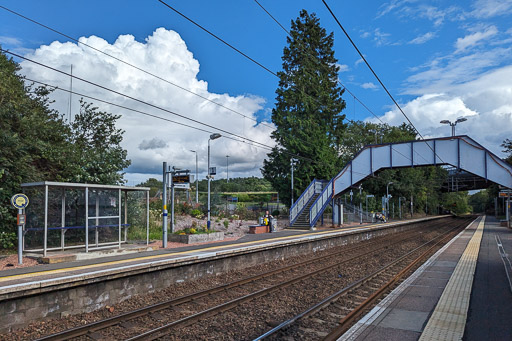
320 203
302 201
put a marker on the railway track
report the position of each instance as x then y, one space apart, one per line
187 310
330 318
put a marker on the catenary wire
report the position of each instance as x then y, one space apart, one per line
371 69
141 112
217 37
350 92
134 66
376 76
128 96
255 143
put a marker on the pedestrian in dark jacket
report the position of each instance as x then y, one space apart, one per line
267 220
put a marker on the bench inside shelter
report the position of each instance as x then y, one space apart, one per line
93 216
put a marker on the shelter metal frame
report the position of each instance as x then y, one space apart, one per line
68 185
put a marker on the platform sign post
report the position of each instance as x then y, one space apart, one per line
179 179
508 209
20 201
164 206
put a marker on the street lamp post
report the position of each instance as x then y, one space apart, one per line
400 205
368 196
360 204
459 120
212 137
197 179
387 199
292 163
227 168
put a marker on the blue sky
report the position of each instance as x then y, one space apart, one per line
440 59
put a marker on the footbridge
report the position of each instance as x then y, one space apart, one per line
461 152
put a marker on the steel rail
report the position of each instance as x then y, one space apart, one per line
327 301
111 321
165 329
346 322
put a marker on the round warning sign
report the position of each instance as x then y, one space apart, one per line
19 201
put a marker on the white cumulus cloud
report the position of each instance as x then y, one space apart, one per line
475 38
368 85
491 8
486 101
150 141
423 38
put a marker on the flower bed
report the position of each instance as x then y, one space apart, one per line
196 238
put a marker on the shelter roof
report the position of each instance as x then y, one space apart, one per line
80 185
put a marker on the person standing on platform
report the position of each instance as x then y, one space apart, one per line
267 220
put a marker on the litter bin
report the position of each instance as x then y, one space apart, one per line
274 223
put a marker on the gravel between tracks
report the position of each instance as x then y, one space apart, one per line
259 315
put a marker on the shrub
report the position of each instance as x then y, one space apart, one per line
275 213
196 213
226 223
7 240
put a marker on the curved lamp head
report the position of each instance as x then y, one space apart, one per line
215 136
445 122
462 119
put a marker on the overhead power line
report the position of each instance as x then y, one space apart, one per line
240 138
348 90
128 96
217 37
133 66
371 69
140 112
377 77
338 81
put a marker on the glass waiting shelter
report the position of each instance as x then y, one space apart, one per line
64 215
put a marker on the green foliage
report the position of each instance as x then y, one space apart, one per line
483 201
276 213
457 202
99 157
507 145
34 140
196 213
37 144
7 240
308 109
154 185
226 223
235 185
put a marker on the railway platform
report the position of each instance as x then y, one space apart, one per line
463 292
61 289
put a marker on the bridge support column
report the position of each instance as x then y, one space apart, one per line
337 212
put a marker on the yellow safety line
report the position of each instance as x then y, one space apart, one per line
449 317
82 267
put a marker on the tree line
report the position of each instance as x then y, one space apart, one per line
311 128
38 144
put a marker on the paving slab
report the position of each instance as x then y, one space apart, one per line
404 313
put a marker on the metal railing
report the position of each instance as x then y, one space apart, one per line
302 201
320 203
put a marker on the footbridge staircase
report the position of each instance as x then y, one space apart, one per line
461 152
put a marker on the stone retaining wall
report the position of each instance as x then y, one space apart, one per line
96 293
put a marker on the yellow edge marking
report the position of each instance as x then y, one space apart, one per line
448 320
91 266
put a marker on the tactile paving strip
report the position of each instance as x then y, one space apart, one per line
449 317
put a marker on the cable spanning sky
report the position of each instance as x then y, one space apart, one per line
440 60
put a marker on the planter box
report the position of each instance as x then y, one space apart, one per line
256 229
196 238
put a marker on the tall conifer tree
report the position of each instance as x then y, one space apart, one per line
308 109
